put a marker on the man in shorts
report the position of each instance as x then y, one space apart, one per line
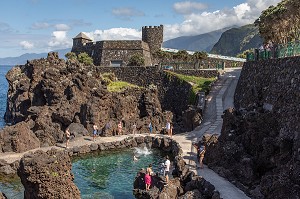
167 169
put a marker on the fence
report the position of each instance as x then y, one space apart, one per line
277 51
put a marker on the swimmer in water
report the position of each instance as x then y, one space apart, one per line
135 158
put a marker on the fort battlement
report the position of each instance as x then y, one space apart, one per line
118 52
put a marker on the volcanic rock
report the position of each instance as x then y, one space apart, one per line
47 175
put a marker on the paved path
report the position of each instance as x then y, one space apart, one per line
219 99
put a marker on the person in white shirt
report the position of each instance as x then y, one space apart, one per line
168 127
167 168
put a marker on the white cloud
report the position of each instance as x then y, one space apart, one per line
62 27
59 39
26 45
127 13
199 23
187 7
40 25
115 34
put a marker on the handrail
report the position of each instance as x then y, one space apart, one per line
289 49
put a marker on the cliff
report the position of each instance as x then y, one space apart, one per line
237 40
259 147
48 95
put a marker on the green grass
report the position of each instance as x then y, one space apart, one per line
198 84
119 86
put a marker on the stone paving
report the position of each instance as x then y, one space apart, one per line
219 99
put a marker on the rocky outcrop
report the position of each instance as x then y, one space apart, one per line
18 138
49 95
47 175
258 148
185 184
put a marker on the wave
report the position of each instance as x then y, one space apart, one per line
142 151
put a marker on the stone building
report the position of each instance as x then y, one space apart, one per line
118 52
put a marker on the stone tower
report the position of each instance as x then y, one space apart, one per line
80 40
153 35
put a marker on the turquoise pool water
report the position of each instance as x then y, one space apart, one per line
110 175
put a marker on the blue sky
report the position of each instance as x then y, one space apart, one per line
35 26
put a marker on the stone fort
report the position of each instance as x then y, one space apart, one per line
118 52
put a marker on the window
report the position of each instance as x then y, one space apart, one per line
116 63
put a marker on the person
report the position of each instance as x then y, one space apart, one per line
135 158
171 130
150 128
168 126
95 130
200 153
162 169
134 129
167 168
149 169
147 180
68 134
120 128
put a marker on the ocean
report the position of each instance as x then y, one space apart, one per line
3 92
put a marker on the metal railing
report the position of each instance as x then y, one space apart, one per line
277 51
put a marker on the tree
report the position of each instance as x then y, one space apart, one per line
85 59
281 23
136 60
198 56
71 56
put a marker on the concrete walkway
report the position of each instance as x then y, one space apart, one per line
219 99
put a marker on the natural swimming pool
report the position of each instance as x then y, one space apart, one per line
105 174
111 174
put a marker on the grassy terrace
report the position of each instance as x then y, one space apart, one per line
198 84
119 86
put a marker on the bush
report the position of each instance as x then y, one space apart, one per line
136 60
85 59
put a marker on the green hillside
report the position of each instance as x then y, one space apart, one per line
237 40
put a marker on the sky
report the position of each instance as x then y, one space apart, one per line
38 26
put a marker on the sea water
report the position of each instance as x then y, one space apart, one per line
3 93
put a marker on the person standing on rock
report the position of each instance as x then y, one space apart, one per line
150 128
148 180
168 127
167 168
120 128
134 129
95 130
68 134
171 130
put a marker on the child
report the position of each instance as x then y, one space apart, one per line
148 180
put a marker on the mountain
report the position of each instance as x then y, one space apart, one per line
29 56
203 42
237 40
